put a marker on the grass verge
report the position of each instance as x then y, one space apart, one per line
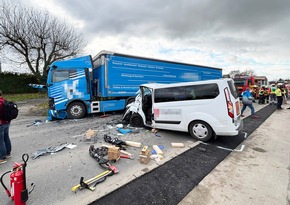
23 97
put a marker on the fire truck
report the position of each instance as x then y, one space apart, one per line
254 82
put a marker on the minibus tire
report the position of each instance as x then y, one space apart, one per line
76 110
126 118
136 120
204 129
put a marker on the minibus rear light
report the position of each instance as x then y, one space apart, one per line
229 103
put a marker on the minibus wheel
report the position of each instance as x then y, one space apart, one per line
200 131
76 110
127 116
136 120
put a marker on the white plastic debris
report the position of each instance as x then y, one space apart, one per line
71 146
119 126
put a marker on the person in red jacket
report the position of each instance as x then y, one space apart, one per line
5 143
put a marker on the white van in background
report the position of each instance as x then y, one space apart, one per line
205 109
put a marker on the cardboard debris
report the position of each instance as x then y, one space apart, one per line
114 153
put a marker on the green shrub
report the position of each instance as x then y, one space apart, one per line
15 83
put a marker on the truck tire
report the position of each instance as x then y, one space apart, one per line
76 110
136 120
200 130
130 100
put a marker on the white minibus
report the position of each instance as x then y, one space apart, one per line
205 109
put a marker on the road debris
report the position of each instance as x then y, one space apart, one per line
157 150
89 135
177 145
126 153
113 153
124 131
133 144
144 156
115 141
98 154
36 123
52 150
156 157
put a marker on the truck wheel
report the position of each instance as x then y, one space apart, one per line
130 100
136 120
200 131
76 110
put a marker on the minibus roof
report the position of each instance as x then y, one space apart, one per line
169 85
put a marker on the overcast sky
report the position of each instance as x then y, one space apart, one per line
228 34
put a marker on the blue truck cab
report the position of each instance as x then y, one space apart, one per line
109 81
69 88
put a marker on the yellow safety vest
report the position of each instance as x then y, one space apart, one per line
278 92
273 90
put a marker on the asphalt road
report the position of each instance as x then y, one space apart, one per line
55 174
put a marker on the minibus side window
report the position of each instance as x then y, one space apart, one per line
206 91
193 92
164 95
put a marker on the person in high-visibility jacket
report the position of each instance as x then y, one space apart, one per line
273 98
278 93
262 95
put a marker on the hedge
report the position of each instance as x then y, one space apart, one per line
15 83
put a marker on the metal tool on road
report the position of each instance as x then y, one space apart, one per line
126 157
115 141
98 154
97 179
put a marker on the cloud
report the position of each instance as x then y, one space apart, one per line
226 34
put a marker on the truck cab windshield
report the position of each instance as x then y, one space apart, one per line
60 75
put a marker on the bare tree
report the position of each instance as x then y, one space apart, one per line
249 72
35 38
233 73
